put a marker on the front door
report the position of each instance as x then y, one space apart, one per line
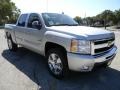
33 36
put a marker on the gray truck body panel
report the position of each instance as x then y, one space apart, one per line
35 40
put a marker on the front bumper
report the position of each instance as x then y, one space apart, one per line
78 62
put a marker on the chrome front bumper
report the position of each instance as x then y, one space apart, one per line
77 62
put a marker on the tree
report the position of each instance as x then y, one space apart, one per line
107 16
8 12
117 14
89 21
78 19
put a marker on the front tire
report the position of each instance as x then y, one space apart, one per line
57 63
11 45
107 64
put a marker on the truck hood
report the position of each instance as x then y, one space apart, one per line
89 33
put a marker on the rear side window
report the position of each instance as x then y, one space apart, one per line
22 20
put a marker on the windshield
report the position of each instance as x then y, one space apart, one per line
53 19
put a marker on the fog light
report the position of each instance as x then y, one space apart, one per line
85 67
109 63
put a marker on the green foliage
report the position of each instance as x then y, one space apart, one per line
8 12
89 21
105 18
117 15
78 19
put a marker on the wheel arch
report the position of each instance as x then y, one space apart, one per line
50 45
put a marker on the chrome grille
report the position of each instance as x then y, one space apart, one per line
102 46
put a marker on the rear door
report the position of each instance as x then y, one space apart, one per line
20 27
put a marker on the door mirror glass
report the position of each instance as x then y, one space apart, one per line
36 25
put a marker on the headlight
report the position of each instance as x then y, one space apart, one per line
80 46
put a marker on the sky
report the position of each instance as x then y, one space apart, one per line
82 8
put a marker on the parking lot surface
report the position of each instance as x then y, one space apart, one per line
26 70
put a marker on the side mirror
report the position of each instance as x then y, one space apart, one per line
36 25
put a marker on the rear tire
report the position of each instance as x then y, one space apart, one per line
57 63
11 45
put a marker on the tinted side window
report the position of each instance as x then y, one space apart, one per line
22 20
32 17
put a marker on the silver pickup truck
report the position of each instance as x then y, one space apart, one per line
65 44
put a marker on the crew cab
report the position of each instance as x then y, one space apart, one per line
65 44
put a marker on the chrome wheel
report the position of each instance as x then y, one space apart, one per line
55 64
11 45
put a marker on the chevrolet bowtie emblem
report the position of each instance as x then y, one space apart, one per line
109 43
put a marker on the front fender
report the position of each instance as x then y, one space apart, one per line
61 39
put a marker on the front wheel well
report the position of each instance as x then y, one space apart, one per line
50 45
